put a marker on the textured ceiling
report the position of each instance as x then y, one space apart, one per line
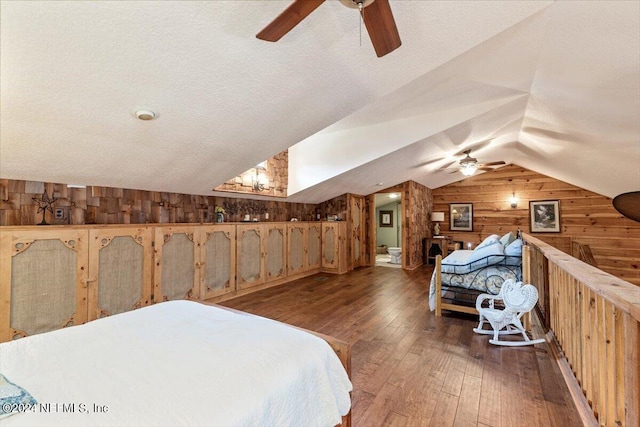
551 86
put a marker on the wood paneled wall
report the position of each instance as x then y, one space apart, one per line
417 221
105 205
586 217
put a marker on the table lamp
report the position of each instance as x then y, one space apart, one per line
437 217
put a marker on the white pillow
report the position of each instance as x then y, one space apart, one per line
487 251
493 239
507 238
514 248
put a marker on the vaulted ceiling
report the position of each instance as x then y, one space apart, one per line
550 86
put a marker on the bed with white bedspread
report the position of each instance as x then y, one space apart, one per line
482 270
177 363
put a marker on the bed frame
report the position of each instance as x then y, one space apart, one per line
440 305
341 348
443 305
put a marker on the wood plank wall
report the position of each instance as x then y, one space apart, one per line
417 221
106 205
586 217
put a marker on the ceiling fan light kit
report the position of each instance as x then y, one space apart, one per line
469 165
376 14
468 169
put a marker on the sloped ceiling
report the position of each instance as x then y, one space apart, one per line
551 86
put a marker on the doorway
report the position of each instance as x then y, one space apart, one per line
388 229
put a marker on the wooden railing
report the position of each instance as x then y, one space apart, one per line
583 253
594 319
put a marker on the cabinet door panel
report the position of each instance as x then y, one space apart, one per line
314 245
250 260
122 261
177 257
43 281
275 251
218 261
297 236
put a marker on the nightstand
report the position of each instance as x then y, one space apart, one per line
435 246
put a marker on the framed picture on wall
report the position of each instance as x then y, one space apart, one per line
461 216
545 216
386 218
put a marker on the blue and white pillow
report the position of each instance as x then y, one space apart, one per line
12 397
514 248
491 240
507 239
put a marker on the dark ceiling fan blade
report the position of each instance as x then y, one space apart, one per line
288 19
494 163
489 168
448 165
628 204
381 27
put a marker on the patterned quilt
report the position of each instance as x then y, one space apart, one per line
487 279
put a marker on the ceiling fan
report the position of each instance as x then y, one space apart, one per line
376 15
469 165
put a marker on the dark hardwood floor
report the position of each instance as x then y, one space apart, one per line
410 368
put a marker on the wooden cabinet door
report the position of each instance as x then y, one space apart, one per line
314 245
333 247
250 269
121 261
297 254
177 258
275 251
217 260
43 280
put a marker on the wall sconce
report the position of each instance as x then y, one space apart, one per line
513 201
259 181
437 217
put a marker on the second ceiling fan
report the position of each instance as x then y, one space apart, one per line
469 165
376 15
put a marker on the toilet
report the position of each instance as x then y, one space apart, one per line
395 253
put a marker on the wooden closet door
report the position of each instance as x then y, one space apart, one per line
43 280
357 243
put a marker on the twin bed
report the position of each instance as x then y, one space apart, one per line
464 274
175 363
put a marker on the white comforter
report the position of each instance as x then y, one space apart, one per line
177 363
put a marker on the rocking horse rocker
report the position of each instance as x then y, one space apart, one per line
518 299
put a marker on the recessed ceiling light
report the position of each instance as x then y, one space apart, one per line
380 184
393 196
145 115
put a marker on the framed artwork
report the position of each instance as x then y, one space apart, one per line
545 216
386 218
461 216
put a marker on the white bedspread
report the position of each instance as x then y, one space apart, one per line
178 363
